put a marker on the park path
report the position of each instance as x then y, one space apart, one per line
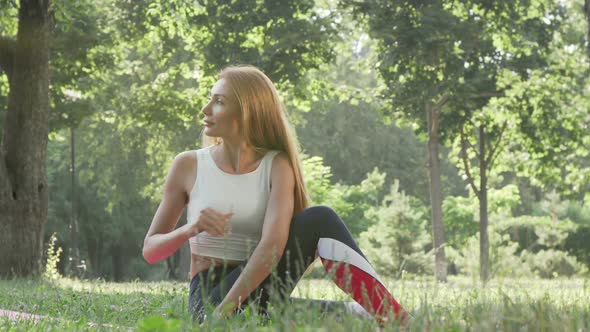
15 315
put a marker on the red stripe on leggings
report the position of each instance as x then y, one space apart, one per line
364 289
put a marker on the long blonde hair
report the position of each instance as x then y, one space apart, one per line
264 123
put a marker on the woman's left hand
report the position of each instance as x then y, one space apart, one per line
224 310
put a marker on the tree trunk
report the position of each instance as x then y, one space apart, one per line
172 266
484 245
587 12
98 262
93 256
185 262
440 261
117 254
74 254
23 178
184 266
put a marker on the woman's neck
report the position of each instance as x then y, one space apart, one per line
239 155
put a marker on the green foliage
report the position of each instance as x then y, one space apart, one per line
504 261
552 104
543 250
349 201
8 17
519 246
503 200
546 233
577 244
553 263
462 213
353 141
516 252
397 239
130 77
578 212
349 126
440 61
460 220
452 49
317 179
111 209
75 37
360 199
53 253
284 39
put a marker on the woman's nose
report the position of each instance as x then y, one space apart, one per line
206 109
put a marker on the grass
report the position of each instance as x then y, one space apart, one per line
458 305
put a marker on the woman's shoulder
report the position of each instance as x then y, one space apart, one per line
281 161
185 162
190 157
278 154
184 168
186 157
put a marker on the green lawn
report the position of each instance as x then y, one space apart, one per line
460 304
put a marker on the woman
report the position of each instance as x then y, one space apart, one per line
251 232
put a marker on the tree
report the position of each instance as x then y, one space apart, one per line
23 178
587 12
549 117
396 241
413 62
531 118
146 82
444 59
75 34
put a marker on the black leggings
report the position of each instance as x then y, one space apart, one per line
315 229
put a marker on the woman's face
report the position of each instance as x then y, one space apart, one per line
222 112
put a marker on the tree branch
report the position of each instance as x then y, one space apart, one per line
443 100
466 141
433 118
7 50
488 94
465 158
494 147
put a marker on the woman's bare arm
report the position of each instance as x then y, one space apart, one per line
275 232
162 239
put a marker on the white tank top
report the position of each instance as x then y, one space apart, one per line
244 194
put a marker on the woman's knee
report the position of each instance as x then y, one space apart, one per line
317 217
322 212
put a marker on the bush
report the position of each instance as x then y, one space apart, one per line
527 244
553 263
577 245
534 233
53 254
349 201
396 242
461 214
503 259
459 220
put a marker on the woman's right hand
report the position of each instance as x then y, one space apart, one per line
211 221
